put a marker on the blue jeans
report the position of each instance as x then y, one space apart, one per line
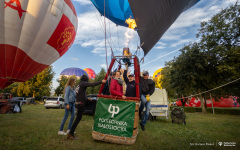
66 114
144 103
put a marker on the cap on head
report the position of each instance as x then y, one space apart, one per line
145 73
131 75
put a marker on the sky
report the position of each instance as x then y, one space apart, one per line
88 49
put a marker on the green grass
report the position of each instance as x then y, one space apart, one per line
37 127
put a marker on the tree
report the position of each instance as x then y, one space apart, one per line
9 88
220 40
99 77
39 85
214 61
62 82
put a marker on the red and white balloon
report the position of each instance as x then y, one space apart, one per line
33 35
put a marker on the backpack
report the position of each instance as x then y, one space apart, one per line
6 108
178 116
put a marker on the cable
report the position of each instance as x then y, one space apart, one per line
161 57
209 90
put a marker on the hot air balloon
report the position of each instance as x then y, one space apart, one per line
157 76
195 102
73 71
115 10
153 17
90 72
33 35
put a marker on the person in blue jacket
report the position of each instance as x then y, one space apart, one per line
69 100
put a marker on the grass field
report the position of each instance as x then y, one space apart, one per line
37 127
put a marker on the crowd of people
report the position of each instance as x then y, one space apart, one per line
114 87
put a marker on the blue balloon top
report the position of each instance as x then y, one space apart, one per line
115 10
74 71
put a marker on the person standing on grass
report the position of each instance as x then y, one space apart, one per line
147 89
69 101
81 98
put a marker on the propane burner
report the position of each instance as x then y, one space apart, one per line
126 53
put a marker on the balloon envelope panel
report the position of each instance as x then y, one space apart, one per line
157 77
115 10
90 72
34 34
74 71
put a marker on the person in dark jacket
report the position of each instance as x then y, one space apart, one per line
106 88
81 98
130 82
147 89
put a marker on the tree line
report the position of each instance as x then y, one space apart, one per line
90 90
209 63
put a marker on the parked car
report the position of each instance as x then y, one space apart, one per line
54 102
90 106
21 99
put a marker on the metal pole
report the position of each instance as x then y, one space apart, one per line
212 103
108 72
137 75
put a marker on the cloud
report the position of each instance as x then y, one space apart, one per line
91 34
75 59
181 42
83 2
160 47
161 43
103 66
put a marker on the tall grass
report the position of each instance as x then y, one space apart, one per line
37 128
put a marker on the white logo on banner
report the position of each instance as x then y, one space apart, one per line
115 110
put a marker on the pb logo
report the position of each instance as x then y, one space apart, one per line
114 110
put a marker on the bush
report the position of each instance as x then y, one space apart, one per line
217 110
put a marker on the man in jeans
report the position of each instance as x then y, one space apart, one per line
147 89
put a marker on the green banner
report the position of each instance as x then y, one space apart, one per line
114 117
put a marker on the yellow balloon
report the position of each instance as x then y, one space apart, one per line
157 77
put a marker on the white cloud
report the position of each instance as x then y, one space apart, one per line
83 2
181 42
91 29
91 34
103 66
161 43
159 47
75 59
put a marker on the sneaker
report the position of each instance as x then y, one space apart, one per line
71 137
61 133
142 127
68 131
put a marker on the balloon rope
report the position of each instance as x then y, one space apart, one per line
208 90
105 34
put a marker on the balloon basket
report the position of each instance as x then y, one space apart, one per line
116 121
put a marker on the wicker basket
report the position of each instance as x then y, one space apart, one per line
120 139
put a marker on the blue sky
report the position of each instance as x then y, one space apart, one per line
88 50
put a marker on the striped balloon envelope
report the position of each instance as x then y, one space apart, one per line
33 35
90 72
